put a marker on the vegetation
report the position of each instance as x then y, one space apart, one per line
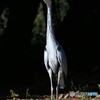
4 20
27 94
39 24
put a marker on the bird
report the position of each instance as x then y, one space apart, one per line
54 56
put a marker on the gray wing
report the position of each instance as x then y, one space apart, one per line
62 59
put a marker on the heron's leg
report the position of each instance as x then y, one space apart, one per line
50 75
57 85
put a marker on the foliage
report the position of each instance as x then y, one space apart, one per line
13 98
4 20
13 94
53 97
63 8
90 98
27 93
64 98
99 86
31 99
73 87
85 97
82 98
39 29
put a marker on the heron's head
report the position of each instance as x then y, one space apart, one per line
48 2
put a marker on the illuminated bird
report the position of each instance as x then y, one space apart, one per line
54 56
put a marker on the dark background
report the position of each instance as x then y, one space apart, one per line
21 63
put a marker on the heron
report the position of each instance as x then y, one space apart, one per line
54 55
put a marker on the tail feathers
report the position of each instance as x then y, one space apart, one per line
62 84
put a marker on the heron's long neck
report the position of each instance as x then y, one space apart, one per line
50 32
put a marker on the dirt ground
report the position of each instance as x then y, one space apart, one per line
47 97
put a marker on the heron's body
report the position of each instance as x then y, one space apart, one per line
51 53
54 56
